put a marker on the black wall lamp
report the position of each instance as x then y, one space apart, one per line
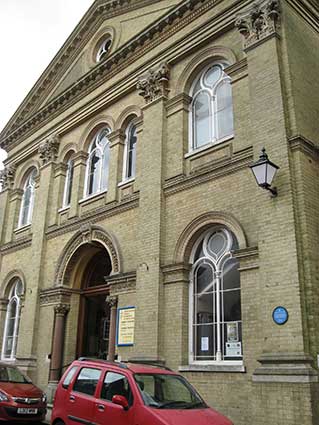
264 172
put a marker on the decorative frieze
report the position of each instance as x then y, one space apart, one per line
48 150
259 23
56 296
7 177
154 84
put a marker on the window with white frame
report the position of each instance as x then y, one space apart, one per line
97 166
27 202
11 329
129 152
211 117
67 193
103 48
215 308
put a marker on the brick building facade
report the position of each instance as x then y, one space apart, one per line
127 185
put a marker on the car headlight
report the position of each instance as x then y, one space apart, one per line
3 397
44 398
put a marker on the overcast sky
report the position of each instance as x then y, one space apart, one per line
31 33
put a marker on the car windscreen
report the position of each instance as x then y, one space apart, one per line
164 391
13 375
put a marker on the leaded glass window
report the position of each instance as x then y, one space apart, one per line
216 326
211 118
97 167
11 329
27 202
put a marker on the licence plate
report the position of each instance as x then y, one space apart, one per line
27 411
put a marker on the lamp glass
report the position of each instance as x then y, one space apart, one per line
259 171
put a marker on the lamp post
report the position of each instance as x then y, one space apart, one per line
264 171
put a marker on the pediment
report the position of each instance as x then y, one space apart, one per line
137 24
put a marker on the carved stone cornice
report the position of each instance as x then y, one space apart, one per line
48 150
259 22
54 296
302 144
153 35
16 245
7 177
122 284
61 309
154 84
176 273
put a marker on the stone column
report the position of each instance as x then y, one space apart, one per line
117 140
112 301
13 210
61 311
177 134
6 182
149 285
3 312
79 166
57 192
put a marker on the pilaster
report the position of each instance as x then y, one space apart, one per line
117 140
79 166
14 198
57 192
41 212
279 277
149 285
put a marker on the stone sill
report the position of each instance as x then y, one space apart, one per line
238 368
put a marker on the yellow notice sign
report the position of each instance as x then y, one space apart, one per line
126 323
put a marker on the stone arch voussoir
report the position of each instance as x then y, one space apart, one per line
70 255
190 234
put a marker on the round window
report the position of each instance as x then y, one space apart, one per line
103 49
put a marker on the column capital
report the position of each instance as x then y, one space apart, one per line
48 150
80 158
116 137
154 83
61 309
112 300
7 177
259 22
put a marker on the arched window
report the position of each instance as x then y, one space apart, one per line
11 328
67 193
211 118
97 167
215 308
129 152
27 199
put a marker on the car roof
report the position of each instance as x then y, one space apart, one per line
129 366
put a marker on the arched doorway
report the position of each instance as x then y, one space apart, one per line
94 312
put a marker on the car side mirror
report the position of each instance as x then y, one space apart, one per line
121 401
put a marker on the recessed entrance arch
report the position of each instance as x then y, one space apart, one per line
86 263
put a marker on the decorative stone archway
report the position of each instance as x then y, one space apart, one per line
70 255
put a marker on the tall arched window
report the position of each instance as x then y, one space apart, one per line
97 167
11 329
27 202
211 118
130 152
67 193
215 308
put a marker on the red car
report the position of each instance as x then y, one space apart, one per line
100 392
20 400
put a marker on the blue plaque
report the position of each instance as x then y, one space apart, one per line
280 315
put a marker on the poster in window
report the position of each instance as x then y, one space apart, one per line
233 349
232 332
125 326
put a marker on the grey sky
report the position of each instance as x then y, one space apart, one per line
31 33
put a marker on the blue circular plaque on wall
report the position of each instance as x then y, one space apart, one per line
280 315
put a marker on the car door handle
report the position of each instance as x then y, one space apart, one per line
72 398
101 407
